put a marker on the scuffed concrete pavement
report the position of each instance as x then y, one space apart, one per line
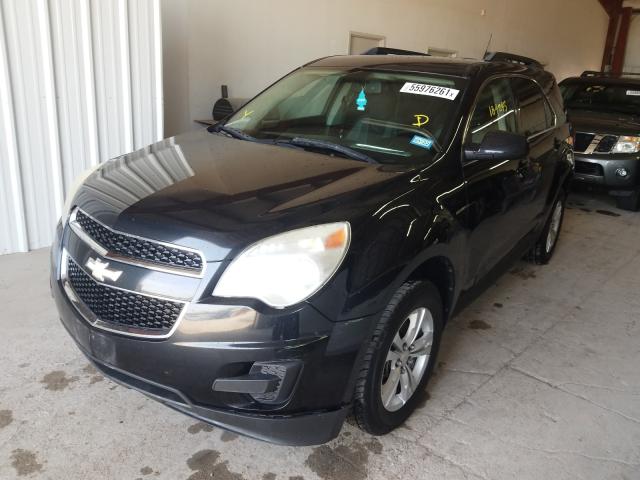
539 378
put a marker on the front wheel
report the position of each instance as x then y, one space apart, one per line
399 358
543 250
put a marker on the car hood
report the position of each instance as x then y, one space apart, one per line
590 121
219 194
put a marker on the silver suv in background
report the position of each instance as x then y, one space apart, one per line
605 113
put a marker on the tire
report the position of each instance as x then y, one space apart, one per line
542 251
370 412
630 202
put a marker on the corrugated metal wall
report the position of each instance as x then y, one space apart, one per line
80 82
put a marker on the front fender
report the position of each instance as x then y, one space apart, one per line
388 249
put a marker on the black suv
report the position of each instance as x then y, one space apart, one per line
604 111
298 261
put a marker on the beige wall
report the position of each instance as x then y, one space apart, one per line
248 44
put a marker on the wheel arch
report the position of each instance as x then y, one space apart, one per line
440 271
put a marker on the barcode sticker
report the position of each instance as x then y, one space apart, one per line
430 90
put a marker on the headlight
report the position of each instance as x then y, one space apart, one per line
287 268
75 186
570 158
627 145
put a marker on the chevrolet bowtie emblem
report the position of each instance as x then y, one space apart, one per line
100 270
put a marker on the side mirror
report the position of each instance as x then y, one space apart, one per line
498 146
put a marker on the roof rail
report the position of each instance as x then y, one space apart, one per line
392 51
512 58
595 73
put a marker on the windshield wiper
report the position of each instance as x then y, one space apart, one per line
324 145
232 132
295 142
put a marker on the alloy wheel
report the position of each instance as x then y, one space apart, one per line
407 359
554 227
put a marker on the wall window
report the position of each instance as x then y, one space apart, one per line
361 42
442 52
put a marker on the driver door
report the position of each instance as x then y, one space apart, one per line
495 188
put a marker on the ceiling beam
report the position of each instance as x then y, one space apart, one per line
609 42
617 34
621 45
612 7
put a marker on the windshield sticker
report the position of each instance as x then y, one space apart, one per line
635 93
430 90
421 142
361 102
498 108
421 120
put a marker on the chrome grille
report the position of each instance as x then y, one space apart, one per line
606 144
589 143
139 250
122 308
582 141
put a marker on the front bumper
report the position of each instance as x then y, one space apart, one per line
601 170
224 341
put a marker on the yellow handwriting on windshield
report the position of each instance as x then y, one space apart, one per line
421 120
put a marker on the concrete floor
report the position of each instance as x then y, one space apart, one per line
539 378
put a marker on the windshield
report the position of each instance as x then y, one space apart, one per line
606 97
385 116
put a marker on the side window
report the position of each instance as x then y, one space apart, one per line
494 111
535 113
557 103
548 114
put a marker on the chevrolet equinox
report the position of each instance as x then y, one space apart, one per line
297 262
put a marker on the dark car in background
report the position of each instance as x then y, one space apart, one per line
299 260
604 111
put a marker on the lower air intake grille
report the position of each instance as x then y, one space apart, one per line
123 308
589 168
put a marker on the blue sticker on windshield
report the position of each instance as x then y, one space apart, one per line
421 142
361 102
